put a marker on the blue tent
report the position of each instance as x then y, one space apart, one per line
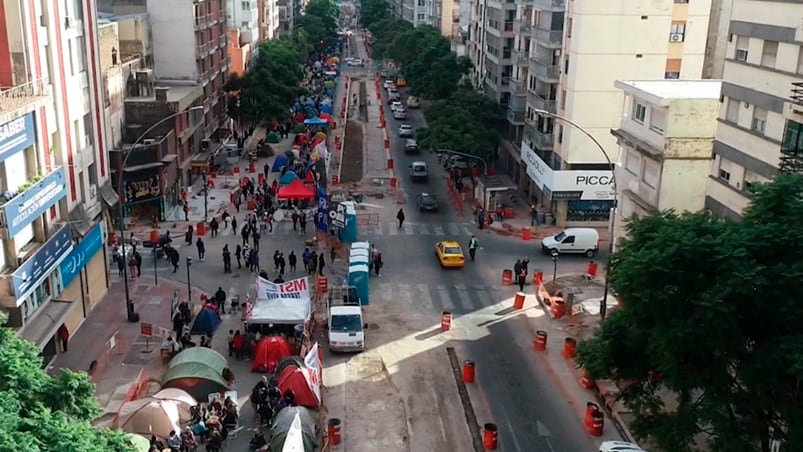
206 321
316 121
326 108
280 162
287 178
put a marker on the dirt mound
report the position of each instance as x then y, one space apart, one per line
352 159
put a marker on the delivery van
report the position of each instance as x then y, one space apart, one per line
345 320
572 240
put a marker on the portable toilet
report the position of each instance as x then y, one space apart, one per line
349 234
360 252
360 246
358 259
358 277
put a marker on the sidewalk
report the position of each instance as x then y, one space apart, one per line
118 347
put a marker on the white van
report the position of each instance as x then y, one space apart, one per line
619 446
572 240
345 320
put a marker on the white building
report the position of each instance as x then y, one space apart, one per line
598 43
665 138
759 122
244 16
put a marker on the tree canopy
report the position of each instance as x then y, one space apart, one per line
709 341
467 121
45 413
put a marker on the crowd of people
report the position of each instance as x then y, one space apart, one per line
211 424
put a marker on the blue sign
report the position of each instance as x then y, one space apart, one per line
322 217
24 208
31 273
81 255
16 136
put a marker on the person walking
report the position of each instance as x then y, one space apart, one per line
292 260
282 264
201 249
400 217
302 223
226 259
313 263
269 222
295 220
472 247
214 226
120 266
173 258
138 260
321 264
238 253
256 238
132 266
378 263
64 337
220 300
233 225
276 260
244 233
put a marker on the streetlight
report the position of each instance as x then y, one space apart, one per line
129 305
189 286
206 196
155 258
603 304
484 172
554 266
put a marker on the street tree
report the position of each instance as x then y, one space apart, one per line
708 343
468 121
316 29
373 12
47 413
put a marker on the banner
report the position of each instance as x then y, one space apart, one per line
293 290
283 303
322 217
312 361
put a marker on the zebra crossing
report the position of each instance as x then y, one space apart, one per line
384 228
456 298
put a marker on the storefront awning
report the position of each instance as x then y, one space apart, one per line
79 221
44 324
146 166
108 194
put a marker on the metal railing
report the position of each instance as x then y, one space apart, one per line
18 96
520 57
546 36
222 41
797 93
523 26
515 116
541 103
518 86
508 26
544 70
542 140
201 22
201 50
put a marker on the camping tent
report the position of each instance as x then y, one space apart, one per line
199 371
294 379
148 416
206 321
184 401
269 352
283 423
315 121
288 178
296 190
280 162
284 363
141 444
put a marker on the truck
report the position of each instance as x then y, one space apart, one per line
345 320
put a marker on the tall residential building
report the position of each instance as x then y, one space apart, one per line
269 23
54 169
575 51
441 14
490 44
761 114
665 138
243 15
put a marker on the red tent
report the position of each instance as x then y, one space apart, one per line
269 352
293 379
296 190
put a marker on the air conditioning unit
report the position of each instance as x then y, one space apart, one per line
93 191
675 37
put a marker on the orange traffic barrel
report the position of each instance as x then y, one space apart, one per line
469 372
539 343
393 182
591 270
569 347
446 321
155 237
526 233
490 436
597 423
334 431
518 301
323 284
538 278
507 276
335 180
390 163
586 381
387 144
591 408
558 307
200 228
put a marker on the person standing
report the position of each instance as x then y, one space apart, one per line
522 277
321 264
256 239
302 223
276 260
292 261
138 261
64 337
295 220
472 247
132 266
220 300
233 225
201 249
226 259
282 264
178 322
213 227
313 263
378 263
238 253
400 217
245 233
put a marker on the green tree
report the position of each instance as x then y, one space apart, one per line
45 413
708 340
374 11
468 121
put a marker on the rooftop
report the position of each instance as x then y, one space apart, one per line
660 92
177 93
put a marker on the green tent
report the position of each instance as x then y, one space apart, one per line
198 370
284 420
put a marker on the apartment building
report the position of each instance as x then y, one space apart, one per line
54 171
761 114
575 51
269 22
441 14
490 44
243 15
665 138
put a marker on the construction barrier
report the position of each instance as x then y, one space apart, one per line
390 164
446 321
518 302
558 307
393 182
526 233
507 277
597 424
569 348
469 372
591 270
334 431
200 228
323 284
252 168
591 408
236 171
490 436
586 381
538 278
387 144
539 343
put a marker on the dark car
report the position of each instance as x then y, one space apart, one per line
427 202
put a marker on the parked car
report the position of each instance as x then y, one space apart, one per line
393 98
388 84
413 102
419 172
399 114
355 62
396 105
427 202
411 146
393 90
572 240
406 131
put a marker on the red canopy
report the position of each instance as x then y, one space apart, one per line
292 379
296 190
269 352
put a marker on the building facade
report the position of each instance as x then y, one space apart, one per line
759 121
244 15
568 56
240 55
665 138
54 169
269 23
490 45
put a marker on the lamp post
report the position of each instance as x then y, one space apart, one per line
206 196
129 305
484 172
603 304
554 266
155 258
189 285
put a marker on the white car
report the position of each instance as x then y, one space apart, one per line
388 84
396 106
406 130
619 446
399 114
355 62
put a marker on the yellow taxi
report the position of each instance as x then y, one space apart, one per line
450 254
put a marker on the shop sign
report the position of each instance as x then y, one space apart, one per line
24 208
322 216
143 190
337 217
81 255
16 136
567 185
36 268
537 169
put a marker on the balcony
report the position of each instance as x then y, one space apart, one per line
520 57
210 20
222 41
523 27
545 71
201 22
542 140
797 97
514 115
551 5
549 37
23 98
540 102
508 27
201 50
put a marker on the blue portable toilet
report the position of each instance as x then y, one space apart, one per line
360 246
358 259
358 278
349 233
359 253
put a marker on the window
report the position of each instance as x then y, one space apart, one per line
639 112
81 54
563 99
569 27
768 53
681 1
759 120
732 110
657 120
724 175
70 54
633 163
742 44
244 24
420 16
677 33
672 71
652 174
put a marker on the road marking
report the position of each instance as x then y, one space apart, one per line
454 229
408 229
444 299
424 229
467 231
403 294
439 230
422 294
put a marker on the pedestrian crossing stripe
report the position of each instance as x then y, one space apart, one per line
456 298
389 228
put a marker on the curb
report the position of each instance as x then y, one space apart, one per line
602 388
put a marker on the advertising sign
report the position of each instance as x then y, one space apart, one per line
337 217
16 136
36 268
24 208
537 169
567 185
81 255
142 190
322 216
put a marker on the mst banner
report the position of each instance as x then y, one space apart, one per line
296 289
284 303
